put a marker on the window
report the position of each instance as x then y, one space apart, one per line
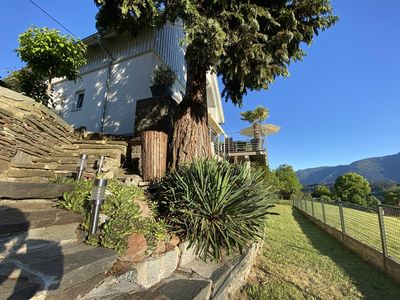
79 99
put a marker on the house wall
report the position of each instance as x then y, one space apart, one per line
133 62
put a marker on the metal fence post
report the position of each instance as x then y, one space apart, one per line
383 233
312 207
301 204
323 211
342 219
305 205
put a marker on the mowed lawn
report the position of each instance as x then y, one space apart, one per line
362 225
300 261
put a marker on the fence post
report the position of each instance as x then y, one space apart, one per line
383 233
323 211
301 204
312 207
342 219
305 205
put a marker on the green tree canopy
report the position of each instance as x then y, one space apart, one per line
392 196
322 191
28 83
289 184
352 187
49 54
248 43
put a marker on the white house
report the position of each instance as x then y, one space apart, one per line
118 74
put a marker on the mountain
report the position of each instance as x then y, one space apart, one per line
375 169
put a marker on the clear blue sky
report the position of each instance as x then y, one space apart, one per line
339 105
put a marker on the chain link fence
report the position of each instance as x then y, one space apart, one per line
377 227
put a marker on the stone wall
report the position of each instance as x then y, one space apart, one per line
179 274
36 144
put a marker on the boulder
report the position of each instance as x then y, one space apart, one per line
133 180
137 247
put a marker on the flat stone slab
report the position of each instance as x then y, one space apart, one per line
17 289
15 220
17 190
58 268
176 289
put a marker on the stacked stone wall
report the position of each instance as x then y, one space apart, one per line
36 144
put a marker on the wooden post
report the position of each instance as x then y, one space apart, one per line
154 154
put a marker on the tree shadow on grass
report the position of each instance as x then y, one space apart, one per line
371 282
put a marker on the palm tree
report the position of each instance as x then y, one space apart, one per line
256 117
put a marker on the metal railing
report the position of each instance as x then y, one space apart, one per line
224 145
378 227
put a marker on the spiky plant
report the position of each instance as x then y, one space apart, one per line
216 206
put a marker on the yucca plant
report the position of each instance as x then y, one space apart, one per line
216 206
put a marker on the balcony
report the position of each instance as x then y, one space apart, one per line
238 149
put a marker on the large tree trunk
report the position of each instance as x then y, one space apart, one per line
191 139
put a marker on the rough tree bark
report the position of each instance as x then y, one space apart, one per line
191 139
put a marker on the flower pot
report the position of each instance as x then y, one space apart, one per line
160 90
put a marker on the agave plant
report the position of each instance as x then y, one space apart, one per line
216 206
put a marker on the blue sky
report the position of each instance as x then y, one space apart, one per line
339 105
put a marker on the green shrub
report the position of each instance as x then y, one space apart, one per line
216 205
123 214
163 75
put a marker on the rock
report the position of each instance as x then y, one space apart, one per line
187 254
174 240
172 243
153 269
103 218
137 247
133 180
144 208
160 248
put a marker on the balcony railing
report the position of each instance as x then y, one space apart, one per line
228 145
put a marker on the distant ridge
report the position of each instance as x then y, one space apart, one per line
375 169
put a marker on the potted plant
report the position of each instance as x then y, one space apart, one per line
163 78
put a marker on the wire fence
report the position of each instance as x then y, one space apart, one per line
377 227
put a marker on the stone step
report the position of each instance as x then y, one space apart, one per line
56 272
14 219
16 190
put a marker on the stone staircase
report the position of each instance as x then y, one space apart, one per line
40 254
63 160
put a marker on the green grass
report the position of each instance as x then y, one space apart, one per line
300 261
362 225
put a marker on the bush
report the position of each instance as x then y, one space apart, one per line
216 205
163 75
123 214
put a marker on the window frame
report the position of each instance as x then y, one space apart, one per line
77 95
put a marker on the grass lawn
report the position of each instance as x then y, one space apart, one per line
300 261
363 226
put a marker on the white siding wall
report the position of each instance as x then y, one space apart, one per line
130 81
90 114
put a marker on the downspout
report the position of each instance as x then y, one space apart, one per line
107 87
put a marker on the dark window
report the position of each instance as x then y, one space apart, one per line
79 100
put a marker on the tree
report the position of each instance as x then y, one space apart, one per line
352 187
392 196
248 44
26 82
48 54
255 117
322 192
289 184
